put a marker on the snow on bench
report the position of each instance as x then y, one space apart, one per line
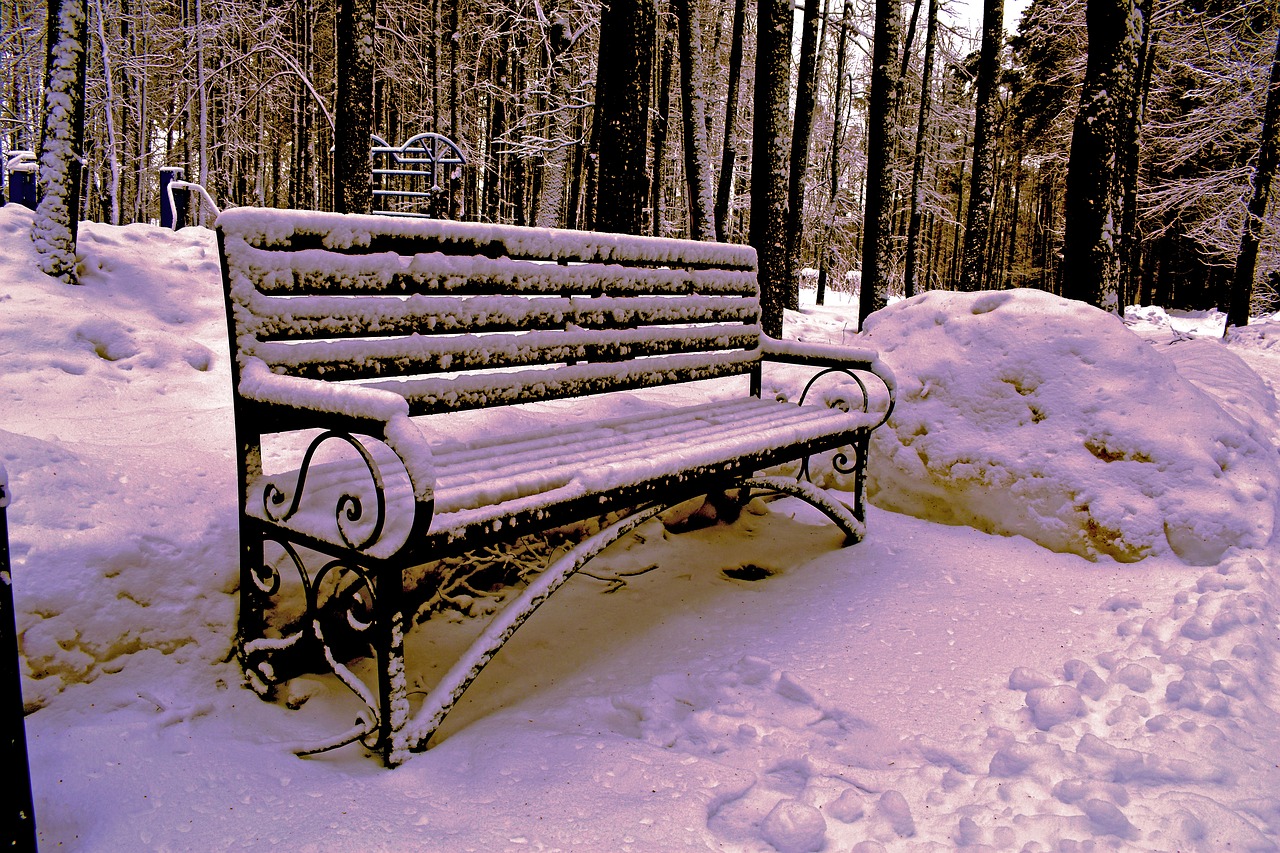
354 336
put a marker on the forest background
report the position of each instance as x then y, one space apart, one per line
867 127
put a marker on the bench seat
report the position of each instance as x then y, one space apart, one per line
504 486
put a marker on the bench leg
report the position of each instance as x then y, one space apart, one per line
450 688
853 527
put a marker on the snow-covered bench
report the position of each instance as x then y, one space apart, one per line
358 342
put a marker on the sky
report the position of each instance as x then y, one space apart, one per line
1059 634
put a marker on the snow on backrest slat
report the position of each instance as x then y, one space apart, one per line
354 234
416 354
365 316
468 391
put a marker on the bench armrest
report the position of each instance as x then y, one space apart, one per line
375 405
832 357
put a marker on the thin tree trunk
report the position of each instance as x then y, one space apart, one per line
878 216
693 111
661 125
917 167
806 96
837 120
728 155
1268 158
109 108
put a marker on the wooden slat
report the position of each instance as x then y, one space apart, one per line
282 319
439 394
417 355
351 234
316 271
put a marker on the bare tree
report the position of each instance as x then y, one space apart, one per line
693 110
353 115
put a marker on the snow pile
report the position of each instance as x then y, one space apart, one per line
1022 413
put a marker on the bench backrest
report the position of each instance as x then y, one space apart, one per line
461 315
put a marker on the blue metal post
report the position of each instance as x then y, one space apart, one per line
172 217
22 178
18 828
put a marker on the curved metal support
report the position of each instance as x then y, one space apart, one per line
840 461
854 530
349 506
449 689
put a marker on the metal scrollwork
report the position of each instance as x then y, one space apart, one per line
349 509
340 601
840 462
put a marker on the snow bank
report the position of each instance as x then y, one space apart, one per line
1022 413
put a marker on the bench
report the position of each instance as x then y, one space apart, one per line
360 342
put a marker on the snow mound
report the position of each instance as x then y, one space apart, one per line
1023 413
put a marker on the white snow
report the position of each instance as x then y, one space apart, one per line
931 688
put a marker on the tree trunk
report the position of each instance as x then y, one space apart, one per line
806 94
661 125
877 221
693 112
982 177
837 120
1268 157
353 113
62 140
627 32
917 167
728 156
769 160
1093 208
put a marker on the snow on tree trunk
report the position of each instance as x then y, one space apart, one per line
1094 203
728 155
917 166
1268 159
806 96
57 213
769 160
693 111
982 179
878 211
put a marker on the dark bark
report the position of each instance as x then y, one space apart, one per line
982 177
806 95
353 108
824 261
917 168
769 159
1263 175
627 31
1093 207
878 211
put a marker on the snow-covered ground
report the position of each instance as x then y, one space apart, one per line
1104 677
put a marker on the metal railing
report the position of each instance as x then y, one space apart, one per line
415 179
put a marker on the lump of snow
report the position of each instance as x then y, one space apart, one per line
1053 705
795 827
1021 413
